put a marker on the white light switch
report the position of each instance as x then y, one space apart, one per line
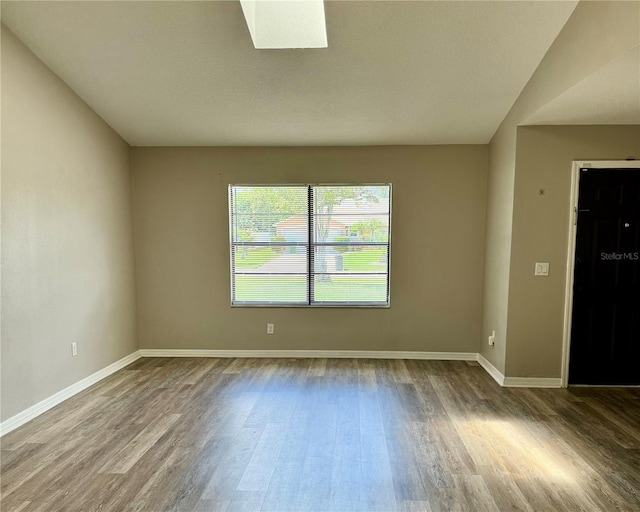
542 269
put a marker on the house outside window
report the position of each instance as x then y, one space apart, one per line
310 245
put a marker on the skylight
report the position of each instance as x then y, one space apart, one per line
279 24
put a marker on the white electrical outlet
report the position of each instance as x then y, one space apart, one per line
270 328
542 269
74 349
492 338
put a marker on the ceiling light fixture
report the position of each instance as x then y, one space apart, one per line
278 24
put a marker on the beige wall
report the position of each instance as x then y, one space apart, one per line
595 34
67 238
495 299
68 255
182 248
541 233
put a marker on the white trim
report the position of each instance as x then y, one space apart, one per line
608 164
517 382
568 288
48 403
491 370
301 354
571 251
532 382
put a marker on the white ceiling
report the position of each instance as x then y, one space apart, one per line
611 95
186 73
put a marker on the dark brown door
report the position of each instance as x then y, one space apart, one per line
605 331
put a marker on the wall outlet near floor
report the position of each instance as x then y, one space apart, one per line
492 338
74 349
270 328
542 269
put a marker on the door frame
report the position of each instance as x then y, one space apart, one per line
571 252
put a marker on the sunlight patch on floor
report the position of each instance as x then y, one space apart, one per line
515 448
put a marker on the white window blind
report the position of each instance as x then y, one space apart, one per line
310 245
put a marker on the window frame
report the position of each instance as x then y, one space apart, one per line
310 248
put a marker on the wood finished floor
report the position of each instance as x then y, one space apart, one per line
324 435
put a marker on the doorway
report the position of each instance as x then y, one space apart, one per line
604 327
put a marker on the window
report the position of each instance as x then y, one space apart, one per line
310 245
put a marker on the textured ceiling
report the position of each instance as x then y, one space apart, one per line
186 73
611 95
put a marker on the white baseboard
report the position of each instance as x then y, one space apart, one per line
303 354
518 382
532 382
48 403
491 370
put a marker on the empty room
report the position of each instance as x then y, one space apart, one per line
318 255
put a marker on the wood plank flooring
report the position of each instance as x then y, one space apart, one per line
324 435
